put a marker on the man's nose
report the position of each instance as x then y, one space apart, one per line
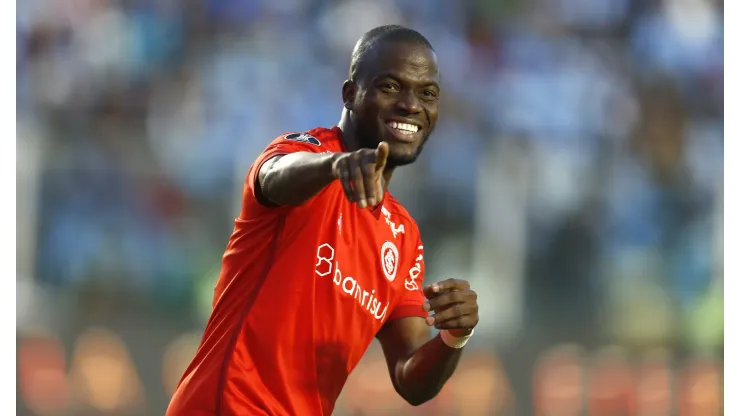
409 102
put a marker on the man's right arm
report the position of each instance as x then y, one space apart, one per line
293 179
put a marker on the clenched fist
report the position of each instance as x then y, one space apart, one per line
361 174
454 304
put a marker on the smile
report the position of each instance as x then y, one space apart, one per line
404 132
403 128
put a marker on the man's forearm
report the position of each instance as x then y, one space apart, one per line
424 374
293 179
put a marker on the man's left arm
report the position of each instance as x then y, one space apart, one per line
420 364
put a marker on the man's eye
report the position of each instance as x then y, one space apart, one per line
389 87
430 93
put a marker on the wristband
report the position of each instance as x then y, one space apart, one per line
453 341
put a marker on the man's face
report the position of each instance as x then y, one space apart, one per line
395 99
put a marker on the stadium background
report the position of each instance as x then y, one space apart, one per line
575 178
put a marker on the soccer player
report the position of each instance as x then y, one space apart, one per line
323 259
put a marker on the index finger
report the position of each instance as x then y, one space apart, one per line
436 289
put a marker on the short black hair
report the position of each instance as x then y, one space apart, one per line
374 37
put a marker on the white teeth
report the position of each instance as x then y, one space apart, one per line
403 127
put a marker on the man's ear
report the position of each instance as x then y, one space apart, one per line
349 93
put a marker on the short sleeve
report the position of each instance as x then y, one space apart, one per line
412 300
283 145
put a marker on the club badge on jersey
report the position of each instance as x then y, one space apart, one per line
304 138
389 260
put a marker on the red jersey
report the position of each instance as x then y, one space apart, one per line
302 293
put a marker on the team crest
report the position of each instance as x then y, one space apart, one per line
389 260
304 138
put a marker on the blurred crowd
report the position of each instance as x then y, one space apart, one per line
575 176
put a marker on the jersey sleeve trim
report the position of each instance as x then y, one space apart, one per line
407 311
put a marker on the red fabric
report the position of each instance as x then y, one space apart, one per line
302 293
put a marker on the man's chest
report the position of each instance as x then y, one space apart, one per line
362 259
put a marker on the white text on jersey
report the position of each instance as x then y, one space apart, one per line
394 230
348 285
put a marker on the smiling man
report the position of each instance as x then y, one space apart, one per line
323 259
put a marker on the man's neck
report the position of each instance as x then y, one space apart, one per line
349 137
352 143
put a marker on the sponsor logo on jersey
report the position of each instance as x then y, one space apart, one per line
411 281
348 285
395 230
303 138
